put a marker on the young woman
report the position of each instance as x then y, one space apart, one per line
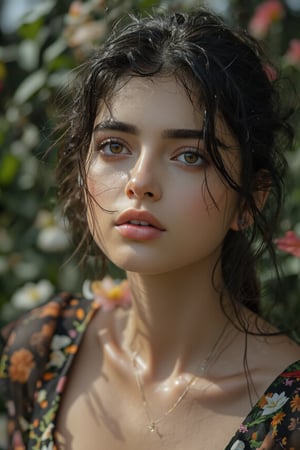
173 170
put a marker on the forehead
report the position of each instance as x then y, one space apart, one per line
159 102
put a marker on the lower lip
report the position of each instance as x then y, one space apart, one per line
139 232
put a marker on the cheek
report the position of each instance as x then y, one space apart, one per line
105 187
211 204
196 194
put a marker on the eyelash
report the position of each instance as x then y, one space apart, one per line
100 147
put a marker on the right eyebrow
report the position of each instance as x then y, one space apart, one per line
182 133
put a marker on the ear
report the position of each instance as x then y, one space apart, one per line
243 217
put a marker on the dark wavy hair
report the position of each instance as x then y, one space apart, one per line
231 75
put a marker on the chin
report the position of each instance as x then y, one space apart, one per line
142 269
145 265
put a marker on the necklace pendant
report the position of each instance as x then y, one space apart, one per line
151 427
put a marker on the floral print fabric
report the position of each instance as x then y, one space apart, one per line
274 422
34 366
37 355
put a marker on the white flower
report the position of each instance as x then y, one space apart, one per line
275 402
87 291
57 359
58 342
32 294
238 445
53 239
42 395
47 447
47 433
53 235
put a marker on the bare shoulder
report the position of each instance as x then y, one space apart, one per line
270 353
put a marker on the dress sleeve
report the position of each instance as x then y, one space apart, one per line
24 353
287 428
284 399
274 422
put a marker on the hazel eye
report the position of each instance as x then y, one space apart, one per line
115 147
191 158
112 147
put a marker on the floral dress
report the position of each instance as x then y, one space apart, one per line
39 350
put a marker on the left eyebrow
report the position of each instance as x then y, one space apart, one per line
182 134
188 134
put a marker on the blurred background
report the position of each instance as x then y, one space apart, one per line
41 41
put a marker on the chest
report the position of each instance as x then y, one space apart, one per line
100 409
95 423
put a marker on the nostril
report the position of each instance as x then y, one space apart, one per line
149 194
131 193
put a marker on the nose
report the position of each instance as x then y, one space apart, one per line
144 180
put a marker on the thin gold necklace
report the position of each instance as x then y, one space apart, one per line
152 425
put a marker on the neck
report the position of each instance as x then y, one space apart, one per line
175 320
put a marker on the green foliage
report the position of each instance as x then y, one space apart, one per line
35 63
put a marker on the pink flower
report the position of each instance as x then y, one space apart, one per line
270 71
290 243
76 9
108 293
17 440
61 384
243 428
265 14
292 55
73 333
86 33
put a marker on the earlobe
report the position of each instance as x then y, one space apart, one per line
243 217
241 220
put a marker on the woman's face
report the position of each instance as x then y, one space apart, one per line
157 203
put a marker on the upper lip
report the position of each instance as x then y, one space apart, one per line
140 215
